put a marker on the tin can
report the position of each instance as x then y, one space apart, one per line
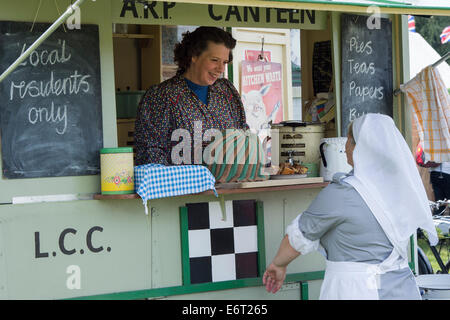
297 140
117 170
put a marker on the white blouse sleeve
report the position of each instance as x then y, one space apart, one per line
298 241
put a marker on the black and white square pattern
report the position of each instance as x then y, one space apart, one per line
222 250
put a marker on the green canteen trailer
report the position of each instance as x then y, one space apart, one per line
59 237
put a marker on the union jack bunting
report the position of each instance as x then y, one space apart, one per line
411 23
445 35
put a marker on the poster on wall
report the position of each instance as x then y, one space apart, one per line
261 91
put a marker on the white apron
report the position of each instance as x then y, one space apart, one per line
357 280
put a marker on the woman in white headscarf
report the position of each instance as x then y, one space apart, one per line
363 220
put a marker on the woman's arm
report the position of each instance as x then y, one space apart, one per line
275 273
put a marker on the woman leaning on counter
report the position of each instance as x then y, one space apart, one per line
196 93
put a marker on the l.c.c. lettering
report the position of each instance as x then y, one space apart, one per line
89 244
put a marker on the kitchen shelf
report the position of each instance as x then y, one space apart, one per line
225 189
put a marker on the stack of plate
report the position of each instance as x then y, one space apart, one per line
236 156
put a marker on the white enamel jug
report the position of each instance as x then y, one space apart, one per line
333 158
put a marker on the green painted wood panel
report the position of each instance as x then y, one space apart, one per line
117 248
108 241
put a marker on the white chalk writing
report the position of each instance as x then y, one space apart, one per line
42 114
52 86
44 57
357 66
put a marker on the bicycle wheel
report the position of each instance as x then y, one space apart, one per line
424 263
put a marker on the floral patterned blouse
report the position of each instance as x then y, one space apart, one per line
173 105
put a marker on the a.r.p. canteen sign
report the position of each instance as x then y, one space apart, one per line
174 13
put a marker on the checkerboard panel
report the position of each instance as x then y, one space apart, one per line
245 239
223 267
222 241
201 271
222 250
244 213
215 215
246 265
199 243
198 216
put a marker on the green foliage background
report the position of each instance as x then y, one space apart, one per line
431 28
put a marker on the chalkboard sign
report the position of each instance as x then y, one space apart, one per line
366 67
50 106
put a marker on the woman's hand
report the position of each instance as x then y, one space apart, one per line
274 277
275 273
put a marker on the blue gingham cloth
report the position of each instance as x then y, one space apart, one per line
153 181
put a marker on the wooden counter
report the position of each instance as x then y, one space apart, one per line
243 187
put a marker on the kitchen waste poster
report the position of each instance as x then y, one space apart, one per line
261 92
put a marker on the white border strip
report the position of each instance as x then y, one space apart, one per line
52 198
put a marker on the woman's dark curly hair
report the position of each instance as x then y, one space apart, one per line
194 43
